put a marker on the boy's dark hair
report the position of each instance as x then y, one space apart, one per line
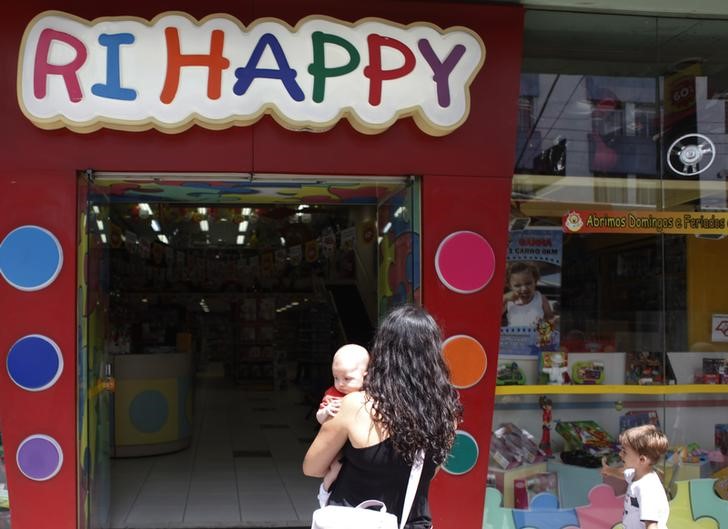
646 440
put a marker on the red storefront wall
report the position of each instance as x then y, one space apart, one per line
466 186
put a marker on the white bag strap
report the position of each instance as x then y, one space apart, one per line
412 484
372 503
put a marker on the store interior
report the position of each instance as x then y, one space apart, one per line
217 320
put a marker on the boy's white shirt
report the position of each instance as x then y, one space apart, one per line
645 499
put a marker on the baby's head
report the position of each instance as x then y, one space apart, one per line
349 367
522 278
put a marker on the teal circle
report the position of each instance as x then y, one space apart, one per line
149 411
463 455
30 258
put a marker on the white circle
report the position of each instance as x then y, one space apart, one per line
692 148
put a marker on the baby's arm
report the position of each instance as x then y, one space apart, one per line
614 472
328 408
548 313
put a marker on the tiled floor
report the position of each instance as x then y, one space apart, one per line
243 468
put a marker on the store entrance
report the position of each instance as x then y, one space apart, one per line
211 306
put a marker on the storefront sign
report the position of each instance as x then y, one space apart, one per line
643 222
172 72
719 332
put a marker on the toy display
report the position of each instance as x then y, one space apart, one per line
511 446
588 372
690 453
554 367
638 418
586 436
645 368
715 371
510 375
545 444
524 489
721 438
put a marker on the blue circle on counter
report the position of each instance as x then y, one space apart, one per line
34 362
149 411
30 258
463 455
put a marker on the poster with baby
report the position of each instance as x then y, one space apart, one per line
530 313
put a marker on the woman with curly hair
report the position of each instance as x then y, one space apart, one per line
407 404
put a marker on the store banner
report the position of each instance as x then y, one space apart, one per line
667 222
174 71
530 319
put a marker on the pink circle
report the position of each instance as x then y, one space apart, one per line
465 262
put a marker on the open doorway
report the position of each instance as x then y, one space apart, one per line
215 302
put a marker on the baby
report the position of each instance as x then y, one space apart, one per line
349 368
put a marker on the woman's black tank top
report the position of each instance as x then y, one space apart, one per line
379 473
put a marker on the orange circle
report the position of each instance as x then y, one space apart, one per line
466 359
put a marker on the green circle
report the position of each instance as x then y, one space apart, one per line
463 455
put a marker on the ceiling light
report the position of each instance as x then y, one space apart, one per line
387 227
96 209
241 239
283 241
400 211
163 238
243 226
203 211
155 225
204 226
301 207
103 238
145 208
246 211
100 224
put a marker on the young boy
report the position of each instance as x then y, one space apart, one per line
645 502
349 368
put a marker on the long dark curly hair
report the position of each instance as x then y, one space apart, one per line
409 385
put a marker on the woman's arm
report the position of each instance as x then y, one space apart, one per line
331 438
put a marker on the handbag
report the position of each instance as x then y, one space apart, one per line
362 517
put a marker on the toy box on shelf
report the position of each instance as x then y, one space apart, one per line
647 368
638 418
588 372
514 455
554 367
509 374
525 488
587 440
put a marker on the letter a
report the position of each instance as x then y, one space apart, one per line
248 73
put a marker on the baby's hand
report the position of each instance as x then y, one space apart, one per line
332 408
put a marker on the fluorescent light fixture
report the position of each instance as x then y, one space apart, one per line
155 225
163 238
246 211
283 241
241 239
103 238
202 211
301 207
144 207
96 209
387 227
243 226
100 224
204 226
400 211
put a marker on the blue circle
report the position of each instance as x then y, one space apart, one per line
30 258
149 411
34 362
